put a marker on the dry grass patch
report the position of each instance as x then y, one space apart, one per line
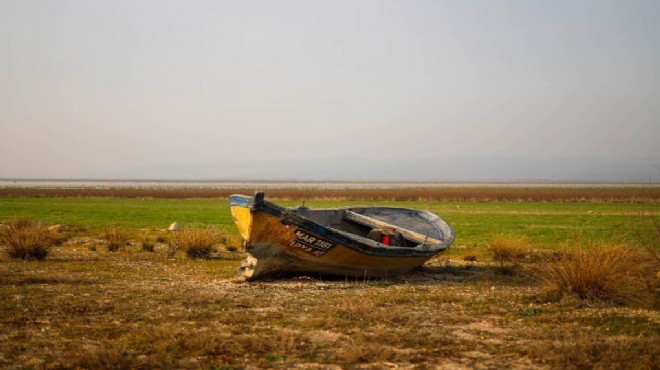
111 357
576 350
147 243
116 238
508 250
26 239
362 349
197 243
144 311
599 272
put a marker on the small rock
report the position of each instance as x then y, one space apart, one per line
174 227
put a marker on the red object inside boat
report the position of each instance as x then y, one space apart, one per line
385 239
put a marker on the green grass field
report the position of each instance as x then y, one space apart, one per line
91 308
545 223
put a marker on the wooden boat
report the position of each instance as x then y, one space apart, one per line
349 241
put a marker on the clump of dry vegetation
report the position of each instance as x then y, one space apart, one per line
598 272
197 243
148 243
508 250
115 237
26 239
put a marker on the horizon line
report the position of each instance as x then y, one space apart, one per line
281 180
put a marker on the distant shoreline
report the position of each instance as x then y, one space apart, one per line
372 191
309 184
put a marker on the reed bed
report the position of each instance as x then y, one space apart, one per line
481 194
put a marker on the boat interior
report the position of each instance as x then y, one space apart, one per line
390 226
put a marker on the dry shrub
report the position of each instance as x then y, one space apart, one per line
147 243
508 250
26 239
115 237
197 243
598 272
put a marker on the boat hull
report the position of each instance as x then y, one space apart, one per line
279 242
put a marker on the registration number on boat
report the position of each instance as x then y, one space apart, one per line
311 244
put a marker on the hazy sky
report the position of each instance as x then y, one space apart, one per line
330 89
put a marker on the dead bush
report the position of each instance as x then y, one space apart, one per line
115 237
598 272
26 239
197 243
147 243
508 250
